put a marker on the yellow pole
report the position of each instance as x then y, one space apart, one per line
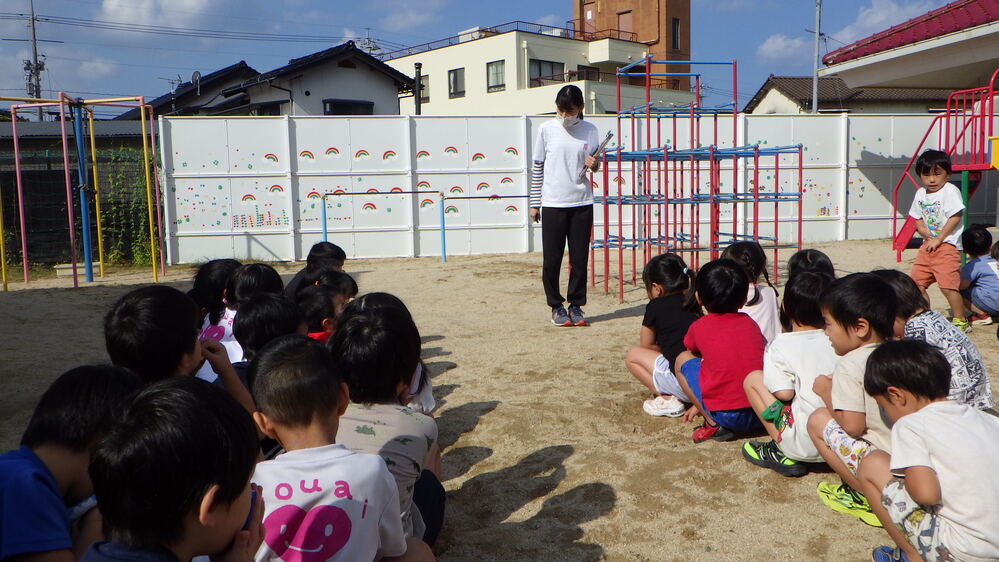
3 250
97 194
110 100
28 100
149 193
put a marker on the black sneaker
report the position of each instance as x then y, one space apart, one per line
560 317
769 455
576 315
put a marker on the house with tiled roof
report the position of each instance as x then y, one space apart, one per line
955 46
793 94
199 96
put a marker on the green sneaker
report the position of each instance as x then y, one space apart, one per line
844 499
961 324
769 455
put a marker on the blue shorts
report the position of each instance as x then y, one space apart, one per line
739 420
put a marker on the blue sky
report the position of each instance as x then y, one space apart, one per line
765 36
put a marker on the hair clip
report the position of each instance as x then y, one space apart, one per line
686 271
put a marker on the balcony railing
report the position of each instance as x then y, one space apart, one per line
526 27
593 75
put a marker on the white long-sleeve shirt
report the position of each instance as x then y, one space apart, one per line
559 156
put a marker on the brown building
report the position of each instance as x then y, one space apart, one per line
663 25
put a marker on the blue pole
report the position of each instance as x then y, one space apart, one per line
325 230
81 164
443 237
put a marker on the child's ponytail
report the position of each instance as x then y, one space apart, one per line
670 272
690 303
753 260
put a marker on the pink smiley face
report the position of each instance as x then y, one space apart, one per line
297 536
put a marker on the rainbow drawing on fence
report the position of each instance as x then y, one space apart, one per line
276 189
450 150
395 190
511 209
307 154
249 197
337 192
332 151
370 207
426 203
361 154
423 185
450 210
512 151
494 198
482 186
478 156
388 154
371 190
423 154
506 180
271 157
618 179
313 195
457 189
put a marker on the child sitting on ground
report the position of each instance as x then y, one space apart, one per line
937 208
49 471
859 310
980 276
969 384
154 332
248 280
671 310
321 497
261 319
761 302
781 394
320 306
722 348
377 351
208 290
172 478
322 256
936 492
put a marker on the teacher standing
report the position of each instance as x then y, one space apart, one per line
564 202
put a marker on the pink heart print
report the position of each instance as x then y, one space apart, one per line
297 536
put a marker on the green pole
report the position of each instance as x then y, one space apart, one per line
965 188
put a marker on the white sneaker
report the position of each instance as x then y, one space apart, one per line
661 406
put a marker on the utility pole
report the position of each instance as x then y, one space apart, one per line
815 68
34 68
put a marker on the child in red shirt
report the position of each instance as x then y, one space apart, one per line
722 348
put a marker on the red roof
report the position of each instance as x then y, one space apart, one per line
962 14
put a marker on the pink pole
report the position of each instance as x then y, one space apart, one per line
156 184
69 189
20 193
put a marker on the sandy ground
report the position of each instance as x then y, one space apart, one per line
547 452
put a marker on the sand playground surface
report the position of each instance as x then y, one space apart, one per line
547 453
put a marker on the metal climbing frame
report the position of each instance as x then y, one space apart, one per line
689 200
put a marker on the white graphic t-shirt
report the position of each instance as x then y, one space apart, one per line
935 208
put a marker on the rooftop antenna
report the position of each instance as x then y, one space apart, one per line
174 82
368 44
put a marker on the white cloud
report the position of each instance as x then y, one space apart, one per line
881 15
96 68
349 34
781 48
554 20
403 15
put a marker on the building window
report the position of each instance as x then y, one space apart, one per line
584 72
424 88
496 76
676 34
333 106
545 72
456 83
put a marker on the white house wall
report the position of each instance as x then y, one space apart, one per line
251 187
329 80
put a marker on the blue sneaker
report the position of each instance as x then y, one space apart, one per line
576 316
560 317
888 554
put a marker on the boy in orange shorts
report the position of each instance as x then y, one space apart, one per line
938 209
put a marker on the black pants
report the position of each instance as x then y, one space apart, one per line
558 225
429 496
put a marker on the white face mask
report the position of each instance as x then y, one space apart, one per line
567 121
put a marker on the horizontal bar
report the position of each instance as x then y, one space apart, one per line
693 62
658 74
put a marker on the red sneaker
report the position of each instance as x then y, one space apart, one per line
980 319
716 432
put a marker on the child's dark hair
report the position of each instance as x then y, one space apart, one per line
379 301
722 286
176 440
374 350
909 299
802 294
861 295
326 255
149 329
568 98
339 281
930 159
753 260
295 381
670 272
810 260
976 241
318 303
251 279
77 409
262 318
209 286
911 365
